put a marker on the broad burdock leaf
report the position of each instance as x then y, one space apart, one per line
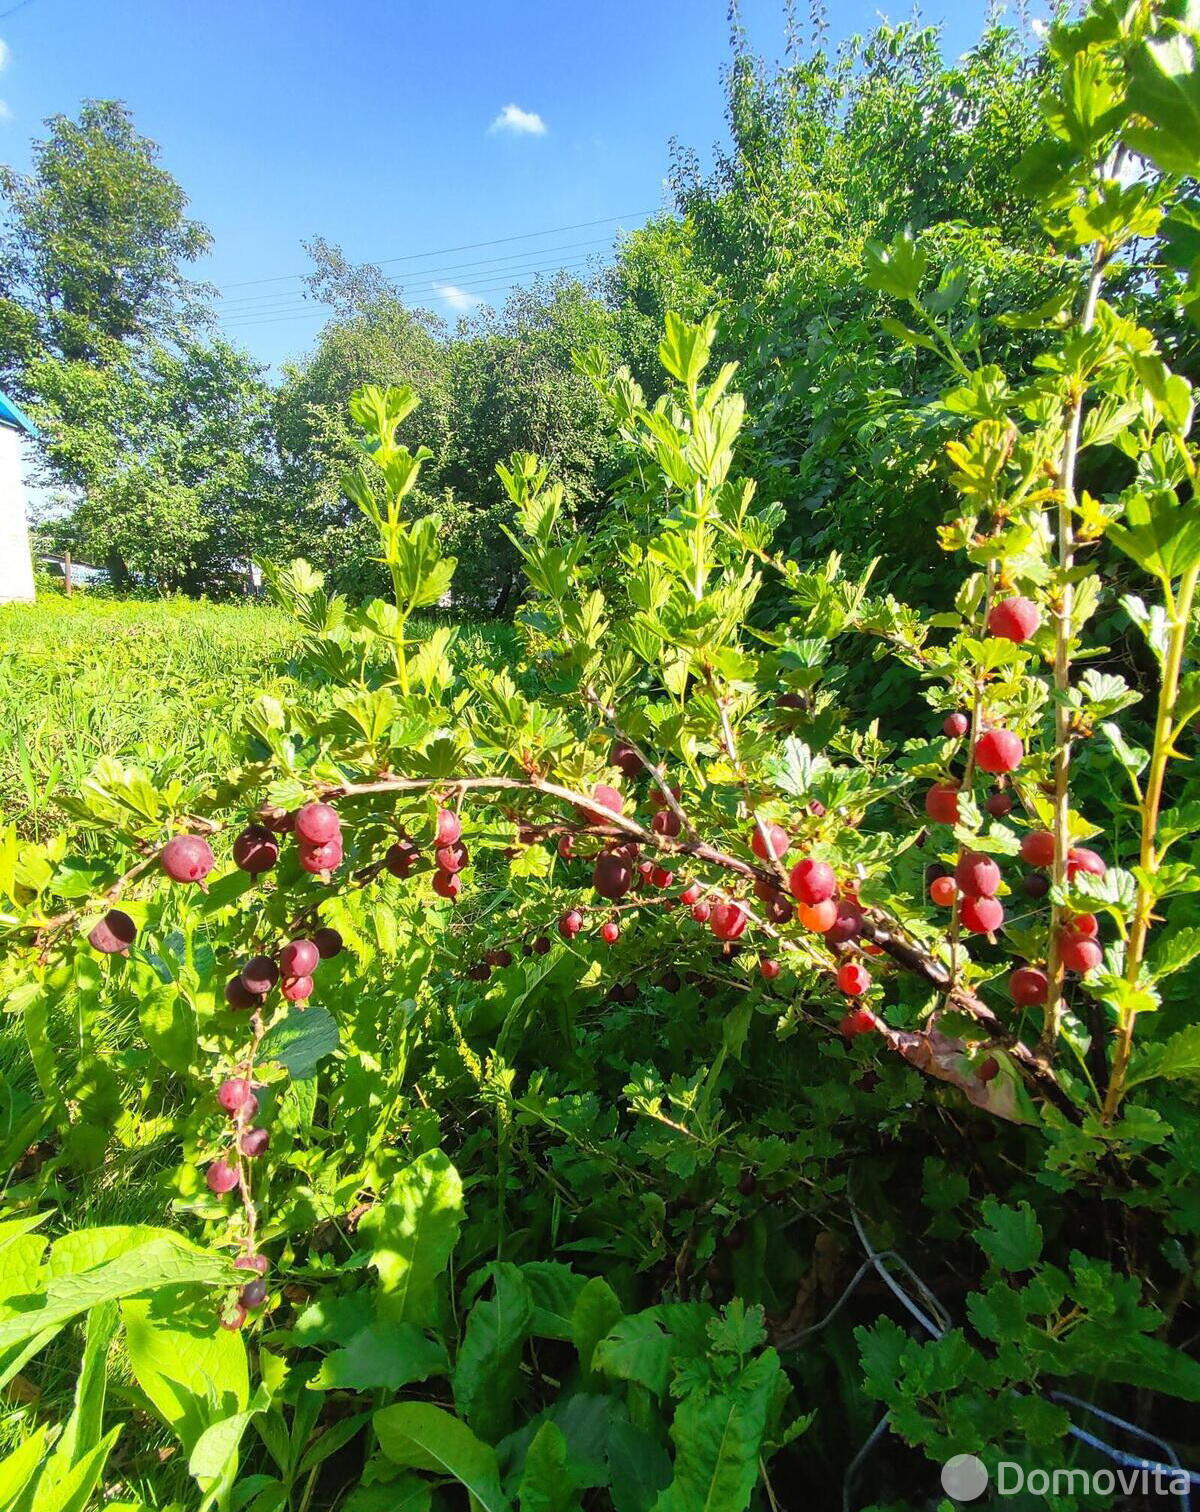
419 1436
718 1434
411 1234
487 1370
383 1355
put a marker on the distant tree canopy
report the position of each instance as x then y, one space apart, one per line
184 464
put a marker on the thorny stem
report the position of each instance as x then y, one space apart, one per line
1063 631
879 928
1150 857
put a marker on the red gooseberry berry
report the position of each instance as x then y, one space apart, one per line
769 841
1079 953
254 1142
1080 859
610 931
233 1318
955 725
113 934
1028 986
221 1177
701 912
328 943
729 920
447 884
612 875
943 891
570 924
690 894
847 924
999 805
857 1021
318 823
626 760
1087 925
255 850
447 827
853 978
299 958
298 989
401 857
660 877
606 797
1037 848
452 858
999 751
812 881
768 968
667 823
187 858
981 915
941 803
259 975
321 858
235 1094
238 995
977 875
819 917
1014 619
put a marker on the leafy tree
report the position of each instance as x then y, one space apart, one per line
167 451
93 247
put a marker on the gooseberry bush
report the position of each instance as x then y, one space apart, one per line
531 1062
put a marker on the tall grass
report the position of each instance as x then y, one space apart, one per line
147 683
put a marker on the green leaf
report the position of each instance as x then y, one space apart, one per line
1174 1058
487 1372
1011 1237
412 1233
419 1436
1172 952
555 1289
639 1467
717 1437
597 1309
193 1370
684 349
1164 86
643 1347
159 1263
896 270
1162 534
169 1027
301 1041
383 1355
547 1484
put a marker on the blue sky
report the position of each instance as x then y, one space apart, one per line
399 128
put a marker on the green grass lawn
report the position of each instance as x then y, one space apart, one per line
145 682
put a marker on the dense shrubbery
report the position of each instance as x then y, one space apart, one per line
536 1061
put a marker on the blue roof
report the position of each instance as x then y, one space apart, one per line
12 414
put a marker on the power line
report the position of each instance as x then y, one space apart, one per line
434 272
474 285
324 312
497 241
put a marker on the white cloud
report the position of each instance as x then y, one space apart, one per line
4 54
456 298
519 122
5 111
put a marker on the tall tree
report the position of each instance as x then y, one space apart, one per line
93 246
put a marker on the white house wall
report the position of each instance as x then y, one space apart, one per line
16 565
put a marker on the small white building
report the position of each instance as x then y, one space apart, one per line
16 564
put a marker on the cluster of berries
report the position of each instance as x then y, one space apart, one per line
294 967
